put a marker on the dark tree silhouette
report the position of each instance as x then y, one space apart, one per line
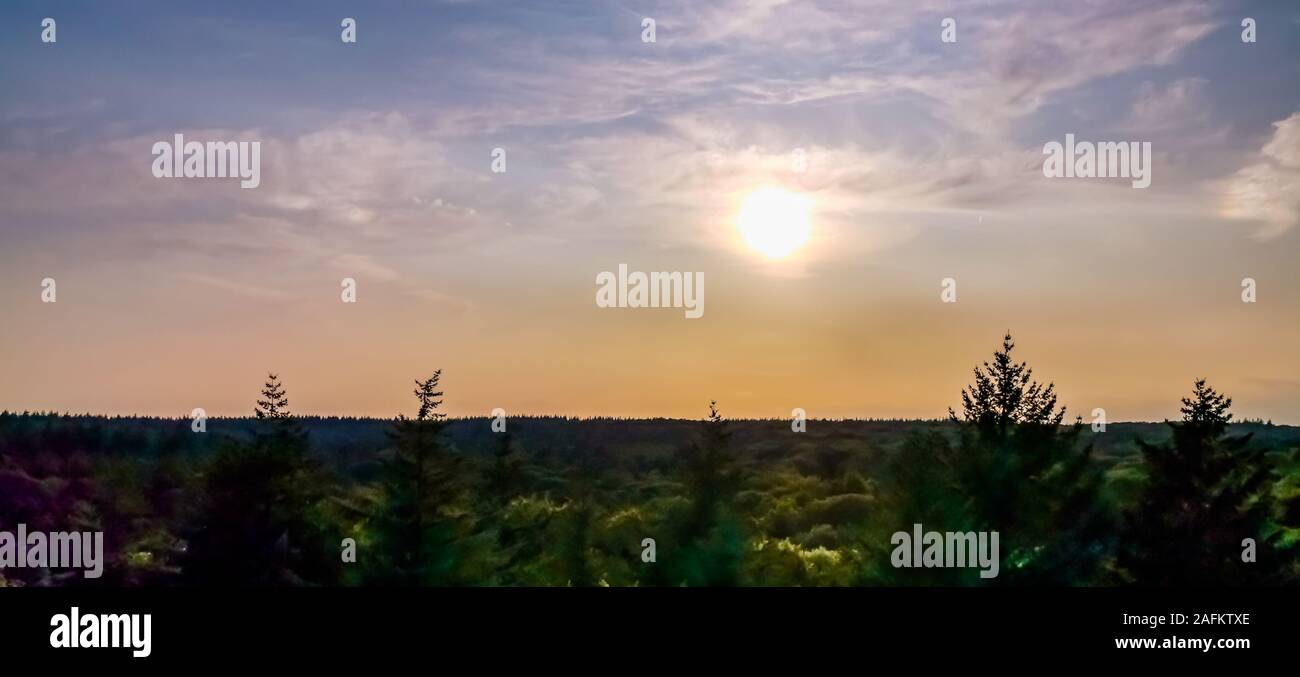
707 544
260 517
415 530
276 404
427 393
252 501
278 431
1205 413
711 476
1004 395
1023 474
1204 494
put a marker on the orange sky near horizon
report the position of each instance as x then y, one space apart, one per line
826 167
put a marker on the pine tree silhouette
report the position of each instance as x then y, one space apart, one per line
707 545
261 520
1204 494
1205 413
278 431
1021 473
1005 395
415 528
427 393
710 475
275 404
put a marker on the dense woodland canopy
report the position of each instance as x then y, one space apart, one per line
269 499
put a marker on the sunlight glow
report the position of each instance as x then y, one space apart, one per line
774 222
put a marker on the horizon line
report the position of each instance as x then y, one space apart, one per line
568 417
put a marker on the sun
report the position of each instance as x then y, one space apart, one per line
774 222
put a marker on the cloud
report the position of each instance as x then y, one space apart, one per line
1023 57
1009 60
1180 103
606 133
1284 148
817 27
1266 191
451 304
260 292
357 183
355 265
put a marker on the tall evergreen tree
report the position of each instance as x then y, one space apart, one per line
1004 397
274 405
707 544
260 519
1025 475
277 430
1205 493
417 525
711 476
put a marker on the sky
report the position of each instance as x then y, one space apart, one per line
922 161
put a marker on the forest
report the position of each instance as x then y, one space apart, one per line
276 499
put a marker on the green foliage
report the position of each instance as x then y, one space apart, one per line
419 519
260 515
707 544
1205 493
568 502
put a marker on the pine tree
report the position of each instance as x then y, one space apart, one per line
1023 474
707 544
278 431
710 474
261 519
1205 492
1005 396
276 404
416 527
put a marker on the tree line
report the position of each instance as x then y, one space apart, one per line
1206 506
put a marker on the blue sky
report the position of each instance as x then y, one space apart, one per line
923 163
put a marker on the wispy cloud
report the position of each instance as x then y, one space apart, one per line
1267 190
